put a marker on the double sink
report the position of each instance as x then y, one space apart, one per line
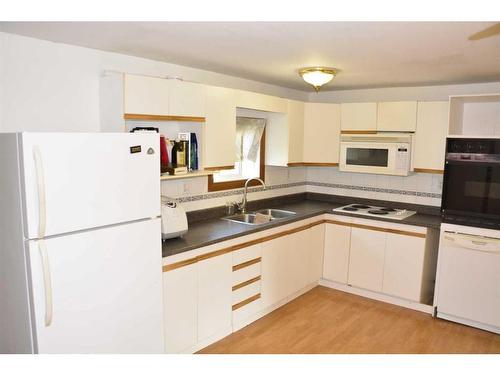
249 218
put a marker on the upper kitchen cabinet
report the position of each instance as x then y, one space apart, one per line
260 102
186 99
295 131
430 137
146 95
475 115
358 117
163 97
397 116
220 128
285 136
321 134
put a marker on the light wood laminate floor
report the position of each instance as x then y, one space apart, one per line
329 321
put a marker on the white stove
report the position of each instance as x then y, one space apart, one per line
375 211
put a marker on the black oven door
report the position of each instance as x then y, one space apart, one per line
472 189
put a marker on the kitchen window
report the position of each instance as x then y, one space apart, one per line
250 156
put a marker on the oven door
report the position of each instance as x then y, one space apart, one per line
472 189
377 158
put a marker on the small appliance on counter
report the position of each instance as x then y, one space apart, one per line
173 220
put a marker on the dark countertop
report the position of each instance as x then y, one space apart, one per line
213 230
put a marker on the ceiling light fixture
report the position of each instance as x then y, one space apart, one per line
317 76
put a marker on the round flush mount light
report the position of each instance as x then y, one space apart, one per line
318 76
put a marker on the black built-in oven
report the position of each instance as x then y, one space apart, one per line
471 185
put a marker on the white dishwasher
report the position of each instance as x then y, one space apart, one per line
468 279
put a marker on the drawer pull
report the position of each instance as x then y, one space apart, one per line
246 302
245 283
246 264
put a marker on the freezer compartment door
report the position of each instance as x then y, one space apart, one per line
76 181
99 291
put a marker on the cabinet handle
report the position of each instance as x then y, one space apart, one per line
47 282
40 179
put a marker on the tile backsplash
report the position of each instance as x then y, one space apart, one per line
418 188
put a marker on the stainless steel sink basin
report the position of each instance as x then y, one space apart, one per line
276 214
249 219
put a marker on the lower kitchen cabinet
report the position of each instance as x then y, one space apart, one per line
403 266
214 296
336 254
298 251
274 271
366 260
180 299
315 253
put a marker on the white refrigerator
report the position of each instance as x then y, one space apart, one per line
80 236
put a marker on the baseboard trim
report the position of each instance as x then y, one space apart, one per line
428 309
468 322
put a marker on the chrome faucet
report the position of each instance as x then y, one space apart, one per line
242 206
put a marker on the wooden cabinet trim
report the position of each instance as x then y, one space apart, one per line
312 164
378 229
220 168
245 283
358 132
183 263
426 170
246 302
248 263
242 245
144 117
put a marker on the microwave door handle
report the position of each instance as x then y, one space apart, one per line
475 243
40 180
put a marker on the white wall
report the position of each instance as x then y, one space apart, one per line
423 93
46 86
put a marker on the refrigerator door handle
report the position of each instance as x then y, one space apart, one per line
47 282
40 179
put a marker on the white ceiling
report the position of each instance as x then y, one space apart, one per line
368 54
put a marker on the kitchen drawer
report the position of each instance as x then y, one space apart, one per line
246 273
246 254
247 310
246 292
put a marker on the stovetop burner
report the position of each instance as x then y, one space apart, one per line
387 209
360 206
378 212
350 208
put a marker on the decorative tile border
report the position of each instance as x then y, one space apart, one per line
229 193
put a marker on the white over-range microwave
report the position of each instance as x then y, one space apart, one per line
379 153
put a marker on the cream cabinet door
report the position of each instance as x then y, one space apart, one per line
260 102
180 300
214 296
358 116
337 249
219 132
298 248
295 131
430 137
146 95
274 271
366 260
186 98
403 268
321 132
397 116
315 253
